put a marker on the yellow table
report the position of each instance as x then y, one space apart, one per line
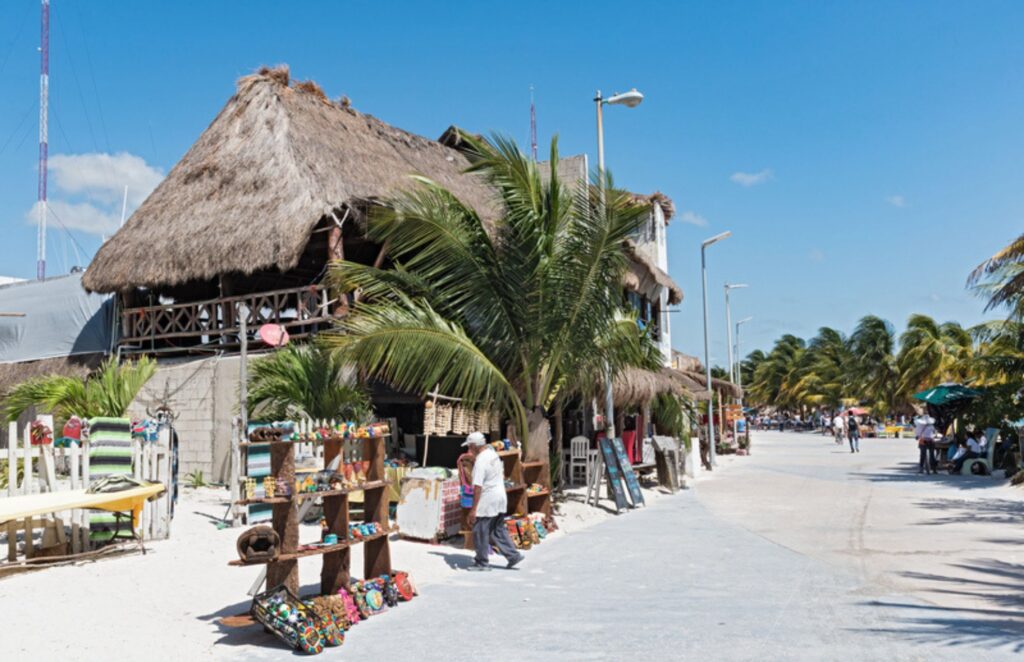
29 505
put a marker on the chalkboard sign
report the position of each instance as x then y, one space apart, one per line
626 467
614 474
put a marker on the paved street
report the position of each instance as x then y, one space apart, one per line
802 551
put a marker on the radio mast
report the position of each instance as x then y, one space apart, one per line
44 99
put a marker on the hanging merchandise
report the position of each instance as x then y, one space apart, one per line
443 422
459 420
429 417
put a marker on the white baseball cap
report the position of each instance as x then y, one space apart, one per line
475 439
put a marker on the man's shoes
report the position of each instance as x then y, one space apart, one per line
479 567
516 561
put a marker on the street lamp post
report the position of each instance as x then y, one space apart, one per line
728 325
707 350
629 99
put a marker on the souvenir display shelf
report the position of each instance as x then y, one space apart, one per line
335 571
522 474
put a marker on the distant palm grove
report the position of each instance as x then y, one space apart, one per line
873 367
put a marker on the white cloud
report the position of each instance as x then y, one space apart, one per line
82 216
693 218
896 201
90 190
749 179
816 255
103 177
934 297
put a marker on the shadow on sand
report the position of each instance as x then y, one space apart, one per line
906 472
997 587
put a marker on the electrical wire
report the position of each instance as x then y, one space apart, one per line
92 75
18 128
60 222
74 74
24 22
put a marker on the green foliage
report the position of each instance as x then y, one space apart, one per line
1000 279
195 479
672 415
4 473
514 313
869 367
107 392
305 380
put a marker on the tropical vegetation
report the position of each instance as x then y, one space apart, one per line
305 381
107 392
875 367
515 312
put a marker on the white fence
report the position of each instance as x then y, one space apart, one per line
49 469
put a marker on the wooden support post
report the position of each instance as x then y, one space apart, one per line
336 252
286 521
376 552
29 544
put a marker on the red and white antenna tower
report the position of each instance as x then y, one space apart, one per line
44 100
533 126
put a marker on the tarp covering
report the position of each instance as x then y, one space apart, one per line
52 318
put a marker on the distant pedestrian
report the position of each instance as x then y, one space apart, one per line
839 428
487 515
924 430
854 432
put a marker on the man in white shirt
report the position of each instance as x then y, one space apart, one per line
838 427
487 516
973 449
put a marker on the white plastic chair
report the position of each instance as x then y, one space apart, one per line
579 458
986 460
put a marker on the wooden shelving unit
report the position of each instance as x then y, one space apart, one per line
537 471
522 474
335 571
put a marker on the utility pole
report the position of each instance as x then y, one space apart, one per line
44 100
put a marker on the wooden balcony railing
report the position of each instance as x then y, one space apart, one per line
215 324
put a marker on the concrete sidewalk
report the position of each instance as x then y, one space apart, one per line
673 581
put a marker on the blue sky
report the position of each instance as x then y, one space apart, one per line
866 155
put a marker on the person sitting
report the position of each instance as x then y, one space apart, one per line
971 448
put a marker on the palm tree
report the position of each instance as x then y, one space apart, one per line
932 353
507 314
874 374
107 392
821 376
772 375
305 380
1001 279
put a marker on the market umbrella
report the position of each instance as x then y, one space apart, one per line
947 401
944 394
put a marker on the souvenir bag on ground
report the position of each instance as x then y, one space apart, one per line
288 618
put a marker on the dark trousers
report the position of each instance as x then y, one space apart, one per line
492 529
959 464
854 441
928 461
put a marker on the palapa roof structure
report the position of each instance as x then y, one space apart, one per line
634 387
642 270
271 165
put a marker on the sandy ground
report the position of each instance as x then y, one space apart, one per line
165 604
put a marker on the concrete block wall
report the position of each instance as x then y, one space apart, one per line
203 394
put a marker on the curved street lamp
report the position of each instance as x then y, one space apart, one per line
707 352
629 99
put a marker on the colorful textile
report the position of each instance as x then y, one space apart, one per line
110 453
257 465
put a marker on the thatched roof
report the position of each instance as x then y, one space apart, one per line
634 387
249 192
668 208
643 273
